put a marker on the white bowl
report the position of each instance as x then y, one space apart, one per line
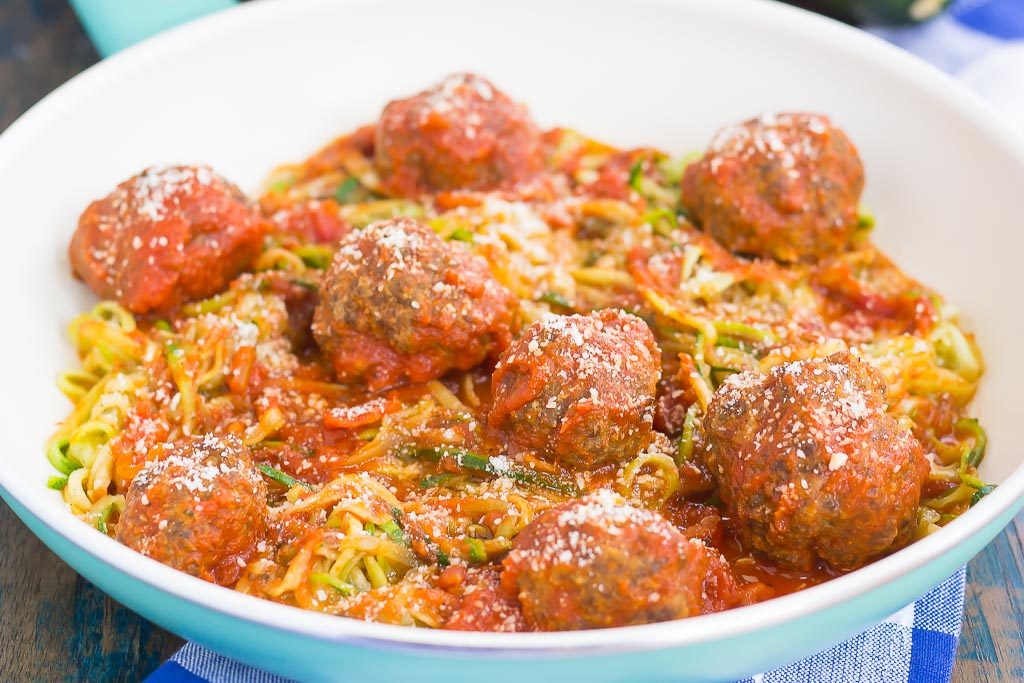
269 82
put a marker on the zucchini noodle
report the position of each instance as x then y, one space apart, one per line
362 547
394 432
281 259
666 484
378 503
111 351
361 215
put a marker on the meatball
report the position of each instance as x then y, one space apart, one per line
783 186
200 507
399 303
461 134
166 236
597 562
579 389
810 466
483 605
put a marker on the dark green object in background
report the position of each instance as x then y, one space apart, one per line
879 12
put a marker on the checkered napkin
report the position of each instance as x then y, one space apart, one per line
982 43
915 645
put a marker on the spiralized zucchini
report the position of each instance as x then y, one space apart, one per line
395 488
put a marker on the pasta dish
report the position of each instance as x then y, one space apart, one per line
454 371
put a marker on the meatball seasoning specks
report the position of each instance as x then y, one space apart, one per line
165 236
597 562
399 303
784 186
200 507
579 389
461 134
809 464
155 186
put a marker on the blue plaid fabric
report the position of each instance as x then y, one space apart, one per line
981 41
915 645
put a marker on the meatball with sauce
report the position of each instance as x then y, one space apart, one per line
783 186
579 389
483 605
597 562
463 133
200 507
166 236
810 466
399 303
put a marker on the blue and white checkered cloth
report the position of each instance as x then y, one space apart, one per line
915 645
980 42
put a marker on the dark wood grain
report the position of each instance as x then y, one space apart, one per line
55 625
58 627
992 641
41 46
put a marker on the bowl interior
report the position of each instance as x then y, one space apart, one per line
270 83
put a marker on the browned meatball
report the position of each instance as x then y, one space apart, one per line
165 236
399 303
597 562
483 605
579 389
785 186
200 507
810 466
461 134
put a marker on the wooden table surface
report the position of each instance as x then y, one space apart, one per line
57 626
